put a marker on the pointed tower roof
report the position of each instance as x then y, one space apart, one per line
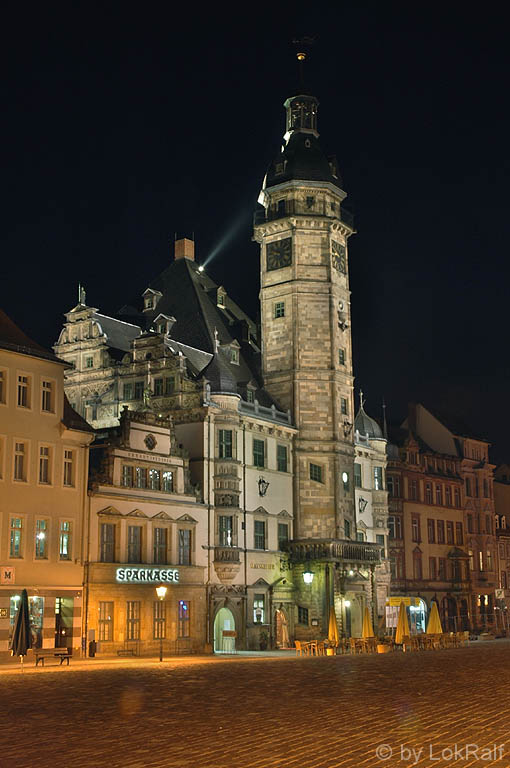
366 425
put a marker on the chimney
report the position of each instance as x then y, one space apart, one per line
185 249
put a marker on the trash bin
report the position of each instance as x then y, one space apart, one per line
92 649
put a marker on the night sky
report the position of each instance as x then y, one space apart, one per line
122 127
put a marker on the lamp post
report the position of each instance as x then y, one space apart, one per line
161 592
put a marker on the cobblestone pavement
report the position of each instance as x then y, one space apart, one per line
263 712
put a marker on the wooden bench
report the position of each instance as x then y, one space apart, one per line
60 653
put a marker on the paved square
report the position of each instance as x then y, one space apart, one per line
263 712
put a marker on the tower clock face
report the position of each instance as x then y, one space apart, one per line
338 256
279 254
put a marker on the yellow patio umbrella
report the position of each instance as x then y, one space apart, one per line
333 627
402 625
368 630
434 625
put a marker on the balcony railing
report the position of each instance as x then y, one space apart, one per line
319 207
335 550
226 555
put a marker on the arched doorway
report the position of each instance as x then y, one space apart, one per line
417 617
449 611
224 631
281 628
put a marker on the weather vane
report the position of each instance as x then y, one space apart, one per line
302 44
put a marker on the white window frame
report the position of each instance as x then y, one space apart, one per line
75 466
27 459
23 519
279 306
53 391
51 464
5 372
46 558
30 388
71 537
3 451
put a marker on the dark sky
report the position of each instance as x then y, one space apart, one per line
121 127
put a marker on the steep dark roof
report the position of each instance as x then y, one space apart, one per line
73 420
303 160
366 425
14 339
119 334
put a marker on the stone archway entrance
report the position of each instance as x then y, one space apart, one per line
224 631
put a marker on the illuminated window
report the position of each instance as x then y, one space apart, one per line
141 477
16 539
258 609
105 621
159 620
23 391
19 462
154 479
168 481
133 620
47 397
41 539
68 468
65 541
184 618
378 479
226 530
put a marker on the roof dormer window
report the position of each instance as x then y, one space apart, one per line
220 297
150 299
234 355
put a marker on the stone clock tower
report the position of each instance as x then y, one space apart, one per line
303 232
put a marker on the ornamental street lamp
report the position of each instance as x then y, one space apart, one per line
161 592
308 576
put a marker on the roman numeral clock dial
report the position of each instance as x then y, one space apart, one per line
279 254
338 257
